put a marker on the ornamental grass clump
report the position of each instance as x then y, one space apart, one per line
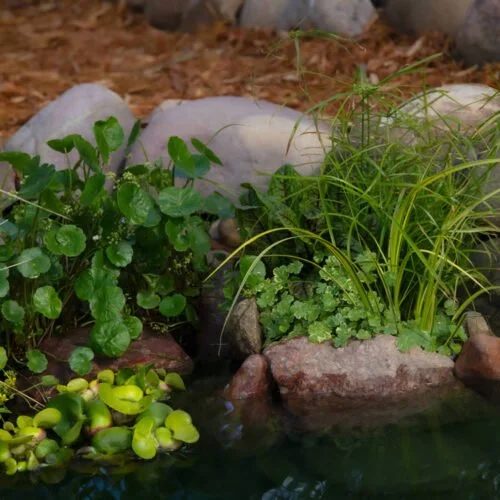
383 235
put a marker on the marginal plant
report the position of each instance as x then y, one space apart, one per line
76 252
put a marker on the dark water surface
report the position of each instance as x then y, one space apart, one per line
448 454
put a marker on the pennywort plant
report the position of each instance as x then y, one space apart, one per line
75 252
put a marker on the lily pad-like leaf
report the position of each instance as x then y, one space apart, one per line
126 407
37 361
110 338
143 442
179 202
180 423
134 325
173 305
175 230
120 254
148 299
158 412
47 302
175 380
32 262
70 404
113 440
13 312
80 360
134 203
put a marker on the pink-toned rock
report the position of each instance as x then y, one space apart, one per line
480 358
252 380
161 350
361 372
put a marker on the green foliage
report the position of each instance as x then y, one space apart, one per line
90 417
72 249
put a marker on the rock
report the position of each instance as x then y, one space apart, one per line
135 4
478 39
227 233
252 380
162 350
243 330
74 112
252 138
361 372
190 14
415 17
347 17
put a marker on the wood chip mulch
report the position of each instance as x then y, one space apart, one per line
48 46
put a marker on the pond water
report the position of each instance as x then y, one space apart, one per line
453 453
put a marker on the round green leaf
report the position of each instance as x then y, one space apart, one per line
4 287
47 302
148 299
13 312
177 234
110 338
134 326
49 381
71 240
179 202
3 358
107 303
37 361
50 240
197 236
32 263
173 305
80 360
120 254
134 203
219 205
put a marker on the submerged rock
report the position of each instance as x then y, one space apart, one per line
478 39
161 350
252 380
415 17
252 138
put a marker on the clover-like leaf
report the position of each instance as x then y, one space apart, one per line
173 305
179 202
134 203
80 360
37 361
110 338
32 262
120 254
47 302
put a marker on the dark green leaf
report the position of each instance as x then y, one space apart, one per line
197 235
37 361
120 254
134 203
71 240
87 153
93 188
110 338
134 133
218 205
177 234
47 302
257 274
107 303
178 202
64 145
13 312
80 360
109 136
180 154
134 326
153 218
173 305
198 167
32 263
37 181
148 299
206 151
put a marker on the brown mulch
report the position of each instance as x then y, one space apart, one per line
50 45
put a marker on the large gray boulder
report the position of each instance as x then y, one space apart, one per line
347 17
418 16
478 40
74 112
252 138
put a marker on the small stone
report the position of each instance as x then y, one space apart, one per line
164 15
252 380
478 40
419 16
243 329
480 358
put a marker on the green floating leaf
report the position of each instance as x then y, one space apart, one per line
32 262
113 440
70 405
13 312
173 305
107 395
158 412
175 380
37 361
143 442
47 302
110 338
120 254
134 203
80 360
3 358
179 202
179 422
148 299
